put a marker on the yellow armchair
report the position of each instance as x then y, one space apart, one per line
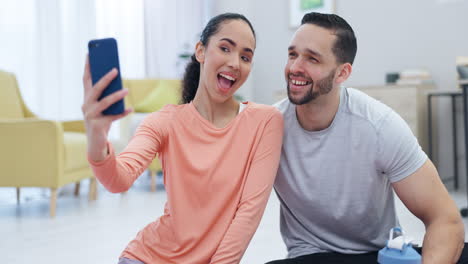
140 92
36 152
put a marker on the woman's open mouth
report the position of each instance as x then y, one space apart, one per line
225 82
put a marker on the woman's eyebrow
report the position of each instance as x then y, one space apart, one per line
233 43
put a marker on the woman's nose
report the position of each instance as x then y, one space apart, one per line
234 62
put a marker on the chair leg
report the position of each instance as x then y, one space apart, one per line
77 188
153 180
92 189
18 195
53 201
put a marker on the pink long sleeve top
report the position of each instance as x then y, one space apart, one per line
218 181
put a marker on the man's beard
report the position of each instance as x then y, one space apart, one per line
324 86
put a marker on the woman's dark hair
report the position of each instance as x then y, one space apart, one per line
345 46
192 71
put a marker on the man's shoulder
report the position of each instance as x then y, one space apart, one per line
363 106
282 105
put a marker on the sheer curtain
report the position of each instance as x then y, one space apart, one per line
171 29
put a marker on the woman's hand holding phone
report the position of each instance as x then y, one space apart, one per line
97 124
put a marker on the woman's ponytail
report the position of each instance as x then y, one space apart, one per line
191 79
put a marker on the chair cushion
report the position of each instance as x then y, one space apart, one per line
138 89
75 150
164 93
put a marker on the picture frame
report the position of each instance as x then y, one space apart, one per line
298 8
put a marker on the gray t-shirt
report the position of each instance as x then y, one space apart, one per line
334 184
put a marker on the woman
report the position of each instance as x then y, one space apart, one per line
219 156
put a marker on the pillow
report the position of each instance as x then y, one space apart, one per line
165 93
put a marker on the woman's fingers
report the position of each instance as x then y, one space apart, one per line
87 83
111 99
102 84
91 111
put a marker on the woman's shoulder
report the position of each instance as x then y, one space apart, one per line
165 114
169 110
264 109
264 117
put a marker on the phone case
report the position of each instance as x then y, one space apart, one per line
103 57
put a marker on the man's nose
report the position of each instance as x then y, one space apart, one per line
296 66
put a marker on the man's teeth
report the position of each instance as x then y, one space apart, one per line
296 82
228 77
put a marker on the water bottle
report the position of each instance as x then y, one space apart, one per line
398 250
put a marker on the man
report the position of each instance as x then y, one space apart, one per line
344 154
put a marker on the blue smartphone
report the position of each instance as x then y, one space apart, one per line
103 57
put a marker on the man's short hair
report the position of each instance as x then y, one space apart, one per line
345 46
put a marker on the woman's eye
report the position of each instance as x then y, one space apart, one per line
246 59
224 49
292 54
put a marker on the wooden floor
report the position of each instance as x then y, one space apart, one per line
96 232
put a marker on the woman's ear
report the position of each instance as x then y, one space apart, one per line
343 73
200 52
